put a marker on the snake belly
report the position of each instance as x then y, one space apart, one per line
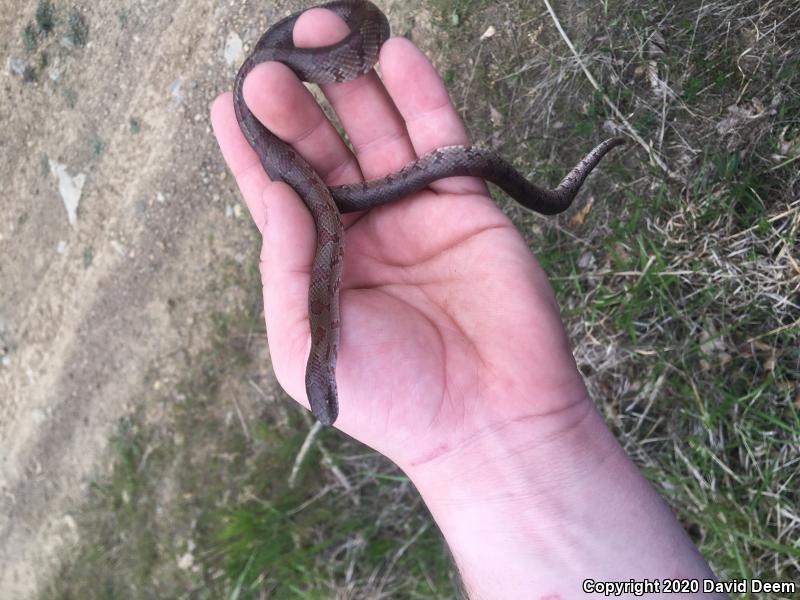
347 59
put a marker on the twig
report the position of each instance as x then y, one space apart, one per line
255 386
471 77
784 163
400 551
663 113
313 432
241 419
775 331
654 157
327 459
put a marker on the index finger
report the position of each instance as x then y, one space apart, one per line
422 99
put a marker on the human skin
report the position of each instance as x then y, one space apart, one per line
453 361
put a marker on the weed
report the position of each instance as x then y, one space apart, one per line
29 38
70 97
30 75
45 16
42 61
97 147
77 30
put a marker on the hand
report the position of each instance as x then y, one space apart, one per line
449 325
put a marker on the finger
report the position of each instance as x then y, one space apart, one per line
286 257
422 99
288 248
363 106
286 107
240 157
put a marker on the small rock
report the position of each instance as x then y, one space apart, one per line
233 52
70 189
54 70
175 90
496 116
118 248
586 261
186 561
17 66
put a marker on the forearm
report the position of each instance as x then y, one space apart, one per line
535 519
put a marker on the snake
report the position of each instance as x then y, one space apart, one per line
347 59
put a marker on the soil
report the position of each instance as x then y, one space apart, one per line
102 302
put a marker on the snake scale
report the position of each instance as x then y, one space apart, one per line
345 60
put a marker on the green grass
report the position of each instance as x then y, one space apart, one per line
306 541
680 294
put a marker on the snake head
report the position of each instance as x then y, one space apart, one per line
322 397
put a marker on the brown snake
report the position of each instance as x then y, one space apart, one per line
345 60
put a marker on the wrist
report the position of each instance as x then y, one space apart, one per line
518 474
544 503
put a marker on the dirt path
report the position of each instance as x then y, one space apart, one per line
95 312
91 312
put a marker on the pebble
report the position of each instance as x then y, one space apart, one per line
234 50
70 189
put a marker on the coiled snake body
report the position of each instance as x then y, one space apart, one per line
347 59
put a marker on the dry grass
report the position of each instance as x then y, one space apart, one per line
679 271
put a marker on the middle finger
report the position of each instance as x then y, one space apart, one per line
363 106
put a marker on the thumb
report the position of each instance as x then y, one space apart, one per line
287 252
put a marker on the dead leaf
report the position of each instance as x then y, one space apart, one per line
496 116
580 216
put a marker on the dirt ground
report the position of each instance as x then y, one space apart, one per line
102 304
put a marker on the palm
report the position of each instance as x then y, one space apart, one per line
442 303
